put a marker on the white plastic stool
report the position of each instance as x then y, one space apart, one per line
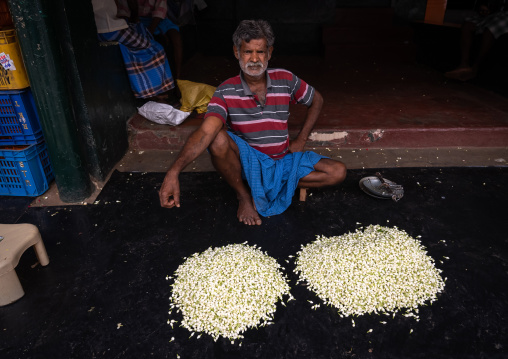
17 238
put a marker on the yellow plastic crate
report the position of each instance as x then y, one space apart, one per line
12 69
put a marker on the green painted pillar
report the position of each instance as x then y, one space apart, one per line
36 23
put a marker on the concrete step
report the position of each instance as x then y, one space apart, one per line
161 160
146 135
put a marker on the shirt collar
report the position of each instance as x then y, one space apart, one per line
246 88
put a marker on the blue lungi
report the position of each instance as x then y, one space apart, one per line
273 182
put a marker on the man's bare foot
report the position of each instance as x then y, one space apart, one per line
461 74
247 212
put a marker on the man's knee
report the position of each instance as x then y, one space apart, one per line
338 172
335 171
221 145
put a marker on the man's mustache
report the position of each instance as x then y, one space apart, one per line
254 64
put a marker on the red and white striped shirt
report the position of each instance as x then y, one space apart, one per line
263 127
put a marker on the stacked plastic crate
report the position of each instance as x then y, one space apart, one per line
25 169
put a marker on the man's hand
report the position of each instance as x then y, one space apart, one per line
313 111
196 144
169 193
296 145
153 25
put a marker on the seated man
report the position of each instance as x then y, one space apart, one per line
153 14
145 61
490 23
246 133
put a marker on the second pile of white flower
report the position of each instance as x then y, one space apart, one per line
224 291
378 270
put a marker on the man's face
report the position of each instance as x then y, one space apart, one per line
253 57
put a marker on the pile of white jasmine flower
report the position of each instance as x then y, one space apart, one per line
378 270
224 291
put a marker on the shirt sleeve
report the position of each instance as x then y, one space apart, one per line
160 9
217 106
301 92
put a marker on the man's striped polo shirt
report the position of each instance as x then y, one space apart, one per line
264 128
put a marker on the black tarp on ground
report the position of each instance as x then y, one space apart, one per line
104 293
12 208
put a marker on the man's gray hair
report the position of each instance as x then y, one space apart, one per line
253 29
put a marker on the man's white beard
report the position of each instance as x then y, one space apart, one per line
254 69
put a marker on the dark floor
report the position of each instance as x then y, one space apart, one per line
104 293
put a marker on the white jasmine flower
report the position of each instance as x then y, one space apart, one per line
224 291
375 270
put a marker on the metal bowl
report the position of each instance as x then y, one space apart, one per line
372 185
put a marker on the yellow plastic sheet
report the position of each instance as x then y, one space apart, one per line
195 96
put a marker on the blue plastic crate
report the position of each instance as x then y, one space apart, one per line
19 120
25 170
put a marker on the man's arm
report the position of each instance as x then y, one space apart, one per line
153 25
159 12
196 144
311 117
